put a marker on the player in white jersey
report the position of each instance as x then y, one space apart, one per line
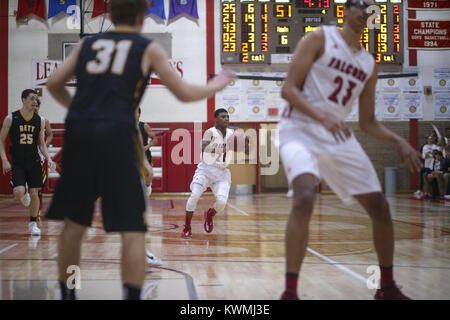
328 72
212 172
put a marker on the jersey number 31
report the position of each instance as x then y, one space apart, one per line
106 49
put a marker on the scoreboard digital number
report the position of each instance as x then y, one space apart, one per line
267 31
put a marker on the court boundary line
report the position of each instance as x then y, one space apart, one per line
323 257
8 247
238 210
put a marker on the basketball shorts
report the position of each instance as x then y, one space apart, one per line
345 167
218 179
101 160
26 171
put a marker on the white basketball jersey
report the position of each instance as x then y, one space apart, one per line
337 78
218 142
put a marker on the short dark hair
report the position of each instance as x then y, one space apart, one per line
126 11
27 92
219 111
38 102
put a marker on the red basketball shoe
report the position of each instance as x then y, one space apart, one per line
391 292
186 234
209 224
289 296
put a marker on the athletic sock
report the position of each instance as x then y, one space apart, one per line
33 219
66 293
188 220
131 292
291 282
386 276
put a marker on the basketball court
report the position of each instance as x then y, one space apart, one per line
243 258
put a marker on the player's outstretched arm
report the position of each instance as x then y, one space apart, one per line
57 82
6 166
367 122
156 59
306 53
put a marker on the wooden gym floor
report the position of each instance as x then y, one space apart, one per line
243 258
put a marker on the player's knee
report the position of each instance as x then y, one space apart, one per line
303 202
191 204
220 203
18 192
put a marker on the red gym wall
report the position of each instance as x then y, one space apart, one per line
4 182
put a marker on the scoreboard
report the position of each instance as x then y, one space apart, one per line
267 31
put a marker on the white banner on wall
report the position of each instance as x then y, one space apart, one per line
391 105
412 106
41 71
442 105
441 79
412 83
179 65
256 106
232 102
392 84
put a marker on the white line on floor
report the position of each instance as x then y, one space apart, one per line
340 266
9 247
237 209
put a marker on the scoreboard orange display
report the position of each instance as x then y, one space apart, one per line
256 31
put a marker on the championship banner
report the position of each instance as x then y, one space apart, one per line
41 71
156 7
55 7
232 103
442 106
391 106
429 34
26 7
428 4
178 7
412 106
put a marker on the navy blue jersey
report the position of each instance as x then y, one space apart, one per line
145 139
24 137
110 82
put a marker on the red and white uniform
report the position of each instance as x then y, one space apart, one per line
212 171
333 83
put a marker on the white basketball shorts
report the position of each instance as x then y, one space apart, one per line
307 147
218 179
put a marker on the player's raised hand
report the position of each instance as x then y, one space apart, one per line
409 156
223 79
336 126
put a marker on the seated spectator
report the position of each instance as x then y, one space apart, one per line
446 171
427 150
434 181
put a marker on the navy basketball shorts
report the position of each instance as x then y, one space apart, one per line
26 171
101 160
